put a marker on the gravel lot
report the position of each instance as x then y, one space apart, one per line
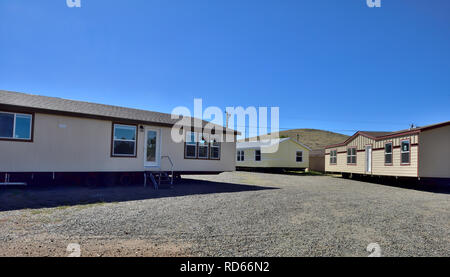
232 214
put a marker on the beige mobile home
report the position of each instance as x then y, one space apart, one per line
57 139
417 152
291 155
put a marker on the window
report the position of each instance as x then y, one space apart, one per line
203 148
15 126
124 140
257 155
351 155
333 156
191 145
215 150
388 153
405 152
151 147
299 157
240 155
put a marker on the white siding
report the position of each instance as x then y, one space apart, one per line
85 145
285 157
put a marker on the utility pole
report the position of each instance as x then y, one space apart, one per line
228 118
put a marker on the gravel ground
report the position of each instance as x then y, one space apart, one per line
232 214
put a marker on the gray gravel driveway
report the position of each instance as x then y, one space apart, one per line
231 214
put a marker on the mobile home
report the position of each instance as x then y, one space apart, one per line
58 139
256 156
421 152
317 160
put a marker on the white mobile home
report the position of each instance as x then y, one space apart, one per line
290 155
417 152
47 137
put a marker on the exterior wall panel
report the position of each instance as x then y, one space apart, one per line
378 165
285 157
396 169
435 153
84 145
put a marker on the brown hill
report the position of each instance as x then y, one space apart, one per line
314 138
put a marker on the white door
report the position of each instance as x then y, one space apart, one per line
152 144
368 158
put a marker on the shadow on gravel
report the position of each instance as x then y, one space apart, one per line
434 186
37 198
282 172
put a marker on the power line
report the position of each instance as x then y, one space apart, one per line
287 128
349 121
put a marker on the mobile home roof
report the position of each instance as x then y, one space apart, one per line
264 143
384 135
45 104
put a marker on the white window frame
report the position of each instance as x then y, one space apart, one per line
127 140
240 156
391 153
205 138
260 155
403 152
333 157
301 156
14 127
194 143
352 155
211 150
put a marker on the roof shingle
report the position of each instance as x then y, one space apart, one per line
45 103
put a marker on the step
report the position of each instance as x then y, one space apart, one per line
10 184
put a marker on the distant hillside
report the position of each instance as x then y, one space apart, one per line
314 138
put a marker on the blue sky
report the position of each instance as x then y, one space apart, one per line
328 64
